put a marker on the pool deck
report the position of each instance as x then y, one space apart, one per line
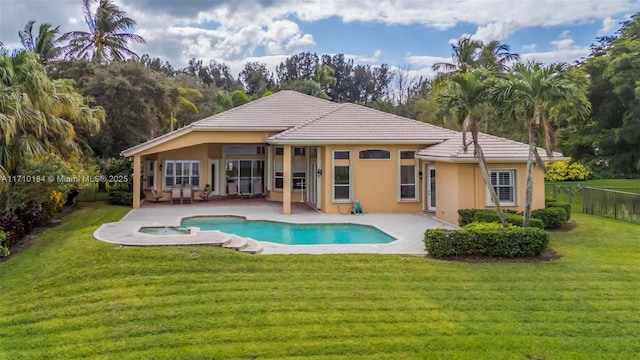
408 229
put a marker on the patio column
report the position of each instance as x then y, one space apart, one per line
137 167
286 181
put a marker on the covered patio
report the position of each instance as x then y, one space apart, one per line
408 229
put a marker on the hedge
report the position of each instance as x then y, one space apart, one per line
552 217
560 204
468 216
497 242
121 197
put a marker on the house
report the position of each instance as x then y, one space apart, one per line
297 148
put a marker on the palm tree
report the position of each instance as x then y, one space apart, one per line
107 38
528 93
45 45
37 115
185 103
468 54
324 75
465 96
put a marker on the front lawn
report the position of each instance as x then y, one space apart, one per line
70 296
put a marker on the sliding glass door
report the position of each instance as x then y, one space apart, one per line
248 174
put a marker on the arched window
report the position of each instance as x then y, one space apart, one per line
374 155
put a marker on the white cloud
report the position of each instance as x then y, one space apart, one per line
565 50
608 25
495 31
529 47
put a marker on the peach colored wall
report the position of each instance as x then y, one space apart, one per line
375 183
461 186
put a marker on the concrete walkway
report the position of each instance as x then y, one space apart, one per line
408 229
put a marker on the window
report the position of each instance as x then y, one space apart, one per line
408 182
299 151
503 182
341 155
406 155
374 154
299 174
149 173
280 151
278 179
243 150
341 183
341 176
181 172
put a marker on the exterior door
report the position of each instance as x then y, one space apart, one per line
313 193
214 177
431 188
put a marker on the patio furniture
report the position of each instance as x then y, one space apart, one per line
176 194
232 189
187 194
257 188
156 195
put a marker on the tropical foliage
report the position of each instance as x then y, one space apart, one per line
107 38
46 44
567 170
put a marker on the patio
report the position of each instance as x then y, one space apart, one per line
408 229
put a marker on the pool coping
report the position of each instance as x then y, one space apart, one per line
407 228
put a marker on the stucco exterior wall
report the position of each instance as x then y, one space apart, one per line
461 186
375 183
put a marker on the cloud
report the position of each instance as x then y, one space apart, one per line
529 47
608 25
564 50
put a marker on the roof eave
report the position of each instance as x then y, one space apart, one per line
488 160
348 142
155 141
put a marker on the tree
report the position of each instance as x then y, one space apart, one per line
528 93
308 87
38 116
468 54
46 45
324 75
256 78
301 66
185 97
465 96
107 39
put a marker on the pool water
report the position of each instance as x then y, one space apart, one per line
164 230
292 234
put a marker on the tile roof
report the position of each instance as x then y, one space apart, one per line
350 122
281 110
493 147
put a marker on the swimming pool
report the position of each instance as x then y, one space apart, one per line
292 234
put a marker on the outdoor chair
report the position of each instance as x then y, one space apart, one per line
156 195
176 194
257 188
187 194
232 189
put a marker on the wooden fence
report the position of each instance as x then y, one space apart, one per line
619 205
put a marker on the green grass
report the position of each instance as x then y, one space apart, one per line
70 296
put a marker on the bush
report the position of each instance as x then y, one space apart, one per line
566 170
31 215
121 197
4 250
552 217
560 204
54 204
12 226
513 219
487 240
466 216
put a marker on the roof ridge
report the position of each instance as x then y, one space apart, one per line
309 121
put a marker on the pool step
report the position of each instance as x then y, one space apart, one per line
236 242
252 247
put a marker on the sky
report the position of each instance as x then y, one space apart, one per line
405 34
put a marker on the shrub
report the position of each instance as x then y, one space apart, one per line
566 170
31 215
552 217
12 226
4 250
488 240
560 204
54 204
466 216
121 197
513 219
